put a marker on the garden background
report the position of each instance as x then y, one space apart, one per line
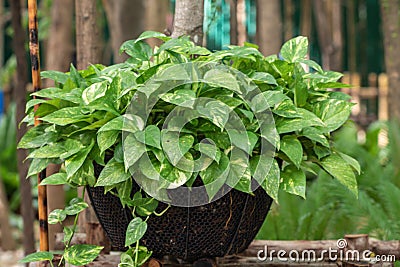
358 37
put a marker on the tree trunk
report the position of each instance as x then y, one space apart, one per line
125 21
88 45
391 32
233 22
19 95
329 23
337 36
188 20
89 52
60 49
269 26
351 37
60 44
288 13
241 22
306 18
156 18
324 31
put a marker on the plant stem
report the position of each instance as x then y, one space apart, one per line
73 229
137 253
161 213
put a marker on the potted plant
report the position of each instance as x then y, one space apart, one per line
190 146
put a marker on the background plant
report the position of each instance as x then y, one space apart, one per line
84 117
329 212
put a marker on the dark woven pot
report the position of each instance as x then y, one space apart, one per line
224 227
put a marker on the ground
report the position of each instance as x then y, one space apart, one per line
10 258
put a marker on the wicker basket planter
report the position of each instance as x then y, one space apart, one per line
224 227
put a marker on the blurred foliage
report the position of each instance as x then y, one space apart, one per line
329 212
8 156
7 71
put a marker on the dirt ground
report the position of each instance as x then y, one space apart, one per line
10 258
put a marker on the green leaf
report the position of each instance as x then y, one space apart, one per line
145 206
214 177
272 181
113 173
264 77
215 111
68 233
124 191
139 51
300 89
175 146
291 146
336 85
37 137
311 64
263 101
244 183
45 109
152 34
229 100
84 175
57 76
76 77
150 167
76 205
333 113
221 139
51 92
243 140
55 179
133 150
71 147
286 109
73 95
336 166
57 216
183 98
150 136
208 148
38 256
106 139
284 125
135 231
176 176
351 161
321 151
126 122
126 260
33 102
66 116
294 181
221 78
73 163
95 91
239 163
81 254
38 165
49 151
295 49
315 135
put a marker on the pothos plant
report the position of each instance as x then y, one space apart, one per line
85 123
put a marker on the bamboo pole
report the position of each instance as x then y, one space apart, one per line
35 61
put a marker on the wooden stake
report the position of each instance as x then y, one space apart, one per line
35 61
